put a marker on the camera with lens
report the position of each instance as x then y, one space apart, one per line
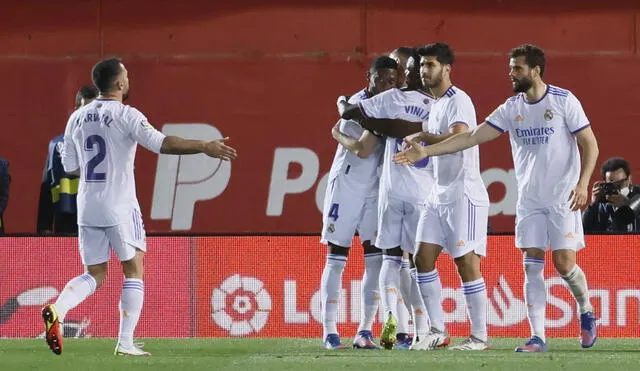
610 188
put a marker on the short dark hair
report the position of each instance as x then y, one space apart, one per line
615 163
416 56
442 52
384 62
86 92
533 56
105 72
405 51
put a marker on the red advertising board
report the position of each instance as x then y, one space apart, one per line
266 286
269 287
35 270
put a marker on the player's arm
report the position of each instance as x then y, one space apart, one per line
144 133
454 142
430 138
578 123
349 111
173 145
69 156
363 147
378 106
391 127
589 145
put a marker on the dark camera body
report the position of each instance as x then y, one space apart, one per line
610 189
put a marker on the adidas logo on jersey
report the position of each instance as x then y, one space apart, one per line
519 118
460 243
569 235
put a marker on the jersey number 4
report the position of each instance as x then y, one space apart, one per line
94 141
333 212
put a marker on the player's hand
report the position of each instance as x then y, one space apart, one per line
341 102
413 152
415 137
335 131
578 198
618 200
596 192
342 98
217 148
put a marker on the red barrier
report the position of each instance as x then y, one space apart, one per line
35 270
269 287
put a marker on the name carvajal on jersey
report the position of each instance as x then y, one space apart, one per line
95 117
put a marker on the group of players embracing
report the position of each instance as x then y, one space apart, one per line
406 177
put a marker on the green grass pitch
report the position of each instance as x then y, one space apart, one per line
308 355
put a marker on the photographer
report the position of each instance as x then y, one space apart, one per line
615 202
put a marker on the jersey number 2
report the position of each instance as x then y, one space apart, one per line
92 142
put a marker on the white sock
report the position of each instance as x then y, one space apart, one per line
389 276
370 290
475 293
403 315
404 284
330 292
535 295
577 282
431 290
74 293
130 308
420 317
404 302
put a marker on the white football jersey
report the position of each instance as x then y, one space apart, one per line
456 174
543 145
408 183
358 174
100 140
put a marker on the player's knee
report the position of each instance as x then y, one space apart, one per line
134 268
424 263
468 267
338 250
533 253
564 266
98 272
564 261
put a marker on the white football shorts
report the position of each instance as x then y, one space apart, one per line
555 227
459 227
397 223
124 239
346 211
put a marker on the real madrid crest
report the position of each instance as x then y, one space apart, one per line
331 228
548 115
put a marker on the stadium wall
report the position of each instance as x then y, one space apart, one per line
268 286
267 75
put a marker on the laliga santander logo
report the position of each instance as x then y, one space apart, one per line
507 310
181 181
240 305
